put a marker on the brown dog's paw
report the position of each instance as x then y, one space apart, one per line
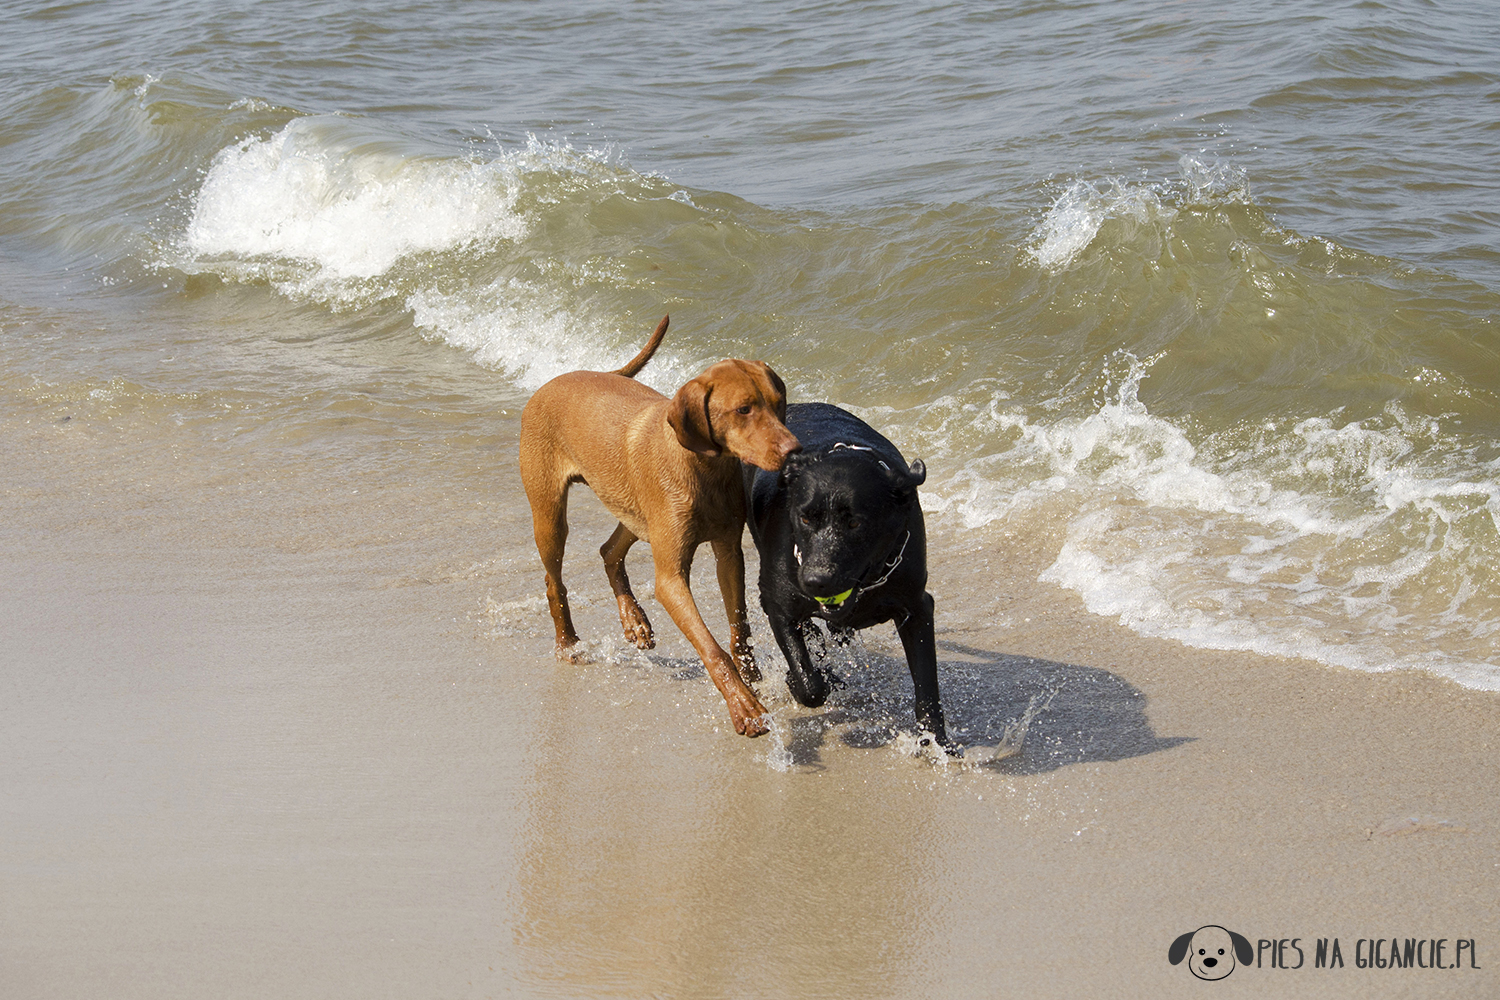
754 726
749 715
637 627
744 657
640 636
745 661
575 653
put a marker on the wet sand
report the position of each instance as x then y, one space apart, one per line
265 736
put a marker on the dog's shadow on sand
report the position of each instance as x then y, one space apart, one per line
1013 714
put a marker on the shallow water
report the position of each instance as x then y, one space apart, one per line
1214 290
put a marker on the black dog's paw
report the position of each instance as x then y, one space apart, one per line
811 687
950 748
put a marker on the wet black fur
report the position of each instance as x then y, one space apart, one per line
848 503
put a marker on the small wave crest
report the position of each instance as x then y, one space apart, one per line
1082 209
325 211
344 211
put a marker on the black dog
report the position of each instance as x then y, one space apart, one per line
841 537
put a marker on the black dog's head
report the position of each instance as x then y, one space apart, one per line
1211 951
850 512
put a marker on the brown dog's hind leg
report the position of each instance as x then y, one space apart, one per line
632 618
731 568
673 565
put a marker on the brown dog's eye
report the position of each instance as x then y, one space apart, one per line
742 411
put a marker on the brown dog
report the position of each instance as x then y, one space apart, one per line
669 469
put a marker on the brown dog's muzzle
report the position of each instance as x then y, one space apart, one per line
774 456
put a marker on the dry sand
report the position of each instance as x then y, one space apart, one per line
269 737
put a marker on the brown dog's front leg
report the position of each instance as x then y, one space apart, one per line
731 567
745 710
632 617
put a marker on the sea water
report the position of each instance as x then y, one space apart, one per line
1209 291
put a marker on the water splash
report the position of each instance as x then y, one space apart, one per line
1073 222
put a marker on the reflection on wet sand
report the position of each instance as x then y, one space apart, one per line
680 869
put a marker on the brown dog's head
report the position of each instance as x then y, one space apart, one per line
737 407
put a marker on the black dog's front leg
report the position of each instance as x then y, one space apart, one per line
921 658
808 683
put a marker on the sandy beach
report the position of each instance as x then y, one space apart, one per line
1189 312
248 751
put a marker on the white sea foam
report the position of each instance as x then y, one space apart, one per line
345 210
323 212
531 334
1361 544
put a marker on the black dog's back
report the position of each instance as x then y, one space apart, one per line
841 538
827 425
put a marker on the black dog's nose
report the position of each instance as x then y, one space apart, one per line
1210 962
817 580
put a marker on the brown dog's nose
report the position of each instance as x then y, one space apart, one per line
788 445
773 456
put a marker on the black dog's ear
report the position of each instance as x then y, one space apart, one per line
904 484
1242 949
1179 949
689 418
791 467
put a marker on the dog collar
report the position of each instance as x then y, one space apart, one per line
889 569
857 447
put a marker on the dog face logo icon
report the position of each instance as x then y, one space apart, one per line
1211 951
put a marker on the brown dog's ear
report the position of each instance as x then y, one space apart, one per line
780 388
688 416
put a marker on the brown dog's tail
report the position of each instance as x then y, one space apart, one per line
639 362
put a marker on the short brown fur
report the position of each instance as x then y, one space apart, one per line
669 470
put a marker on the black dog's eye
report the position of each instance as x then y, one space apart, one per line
853 523
1202 951
1221 951
805 519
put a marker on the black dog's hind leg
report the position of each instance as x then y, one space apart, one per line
808 682
921 658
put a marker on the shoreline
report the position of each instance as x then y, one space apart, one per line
251 755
